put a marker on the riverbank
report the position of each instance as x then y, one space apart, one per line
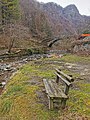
9 65
24 96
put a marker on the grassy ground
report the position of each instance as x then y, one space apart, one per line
75 59
72 59
24 99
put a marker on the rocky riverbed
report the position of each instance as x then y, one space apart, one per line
8 66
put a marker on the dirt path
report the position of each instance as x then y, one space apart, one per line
82 69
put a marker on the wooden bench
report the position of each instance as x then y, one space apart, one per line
56 92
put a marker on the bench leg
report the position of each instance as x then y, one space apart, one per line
63 103
50 104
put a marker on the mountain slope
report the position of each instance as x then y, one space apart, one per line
68 19
50 19
79 21
59 23
44 22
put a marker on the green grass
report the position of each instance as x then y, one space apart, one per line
80 101
6 106
75 59
20 101
71 59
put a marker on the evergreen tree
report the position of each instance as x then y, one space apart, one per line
9 11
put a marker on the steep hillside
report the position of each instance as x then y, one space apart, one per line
66 21
50 19
79 21
35 19
59 23
40 22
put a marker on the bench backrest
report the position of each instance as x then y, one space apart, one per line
65 78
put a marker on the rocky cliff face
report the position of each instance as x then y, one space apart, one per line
66 20
52 19
79 21
58 22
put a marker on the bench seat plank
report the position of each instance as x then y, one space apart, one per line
53 89
57 89
47 87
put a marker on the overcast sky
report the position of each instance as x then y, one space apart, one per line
82 5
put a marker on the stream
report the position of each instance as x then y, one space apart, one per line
8 66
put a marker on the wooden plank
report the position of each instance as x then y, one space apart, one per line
48 89
53 90
66 76
63 103
65 81
51 104
66 90
57 79
57 92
